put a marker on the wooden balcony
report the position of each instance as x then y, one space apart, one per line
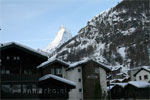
19 78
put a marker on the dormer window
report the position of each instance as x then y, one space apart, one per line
58 71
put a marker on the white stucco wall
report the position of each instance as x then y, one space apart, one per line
74 75
142 73
64 73
132 72
103 79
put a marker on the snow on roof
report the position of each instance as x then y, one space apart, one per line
146 68
120 84
50 61
57 78
136 68
120 80
139 84
115 68
23 46
85 61
109 88
78 63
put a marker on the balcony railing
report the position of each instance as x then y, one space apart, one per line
9 77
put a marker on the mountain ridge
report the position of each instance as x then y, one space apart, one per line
115 37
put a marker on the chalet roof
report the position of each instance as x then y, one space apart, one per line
115 68
50 76
139 84
122 85
137 68
23 47
146 68
51 61
76 64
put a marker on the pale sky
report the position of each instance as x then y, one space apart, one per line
34 23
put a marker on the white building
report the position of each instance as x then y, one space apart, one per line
87 74
143 74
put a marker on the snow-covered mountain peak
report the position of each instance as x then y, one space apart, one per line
62 36
115 37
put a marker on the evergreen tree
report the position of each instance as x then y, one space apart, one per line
98 94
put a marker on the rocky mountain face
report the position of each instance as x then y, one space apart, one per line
62 36
115 37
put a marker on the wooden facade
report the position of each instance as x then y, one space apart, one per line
130 91
117 92
90 78
20 76
54 89
18 71
55 67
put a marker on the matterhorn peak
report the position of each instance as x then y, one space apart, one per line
62 36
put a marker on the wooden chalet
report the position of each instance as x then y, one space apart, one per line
117 91
137 90
18 70
20 78
55 87
53 79
130 90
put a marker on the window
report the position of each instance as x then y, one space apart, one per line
96 70
8 58
51 71
15 57
16 88
6 88
18 58
79 80
145 77
2 71
79 70
140 77
58 71
80 90
27 72
7 72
